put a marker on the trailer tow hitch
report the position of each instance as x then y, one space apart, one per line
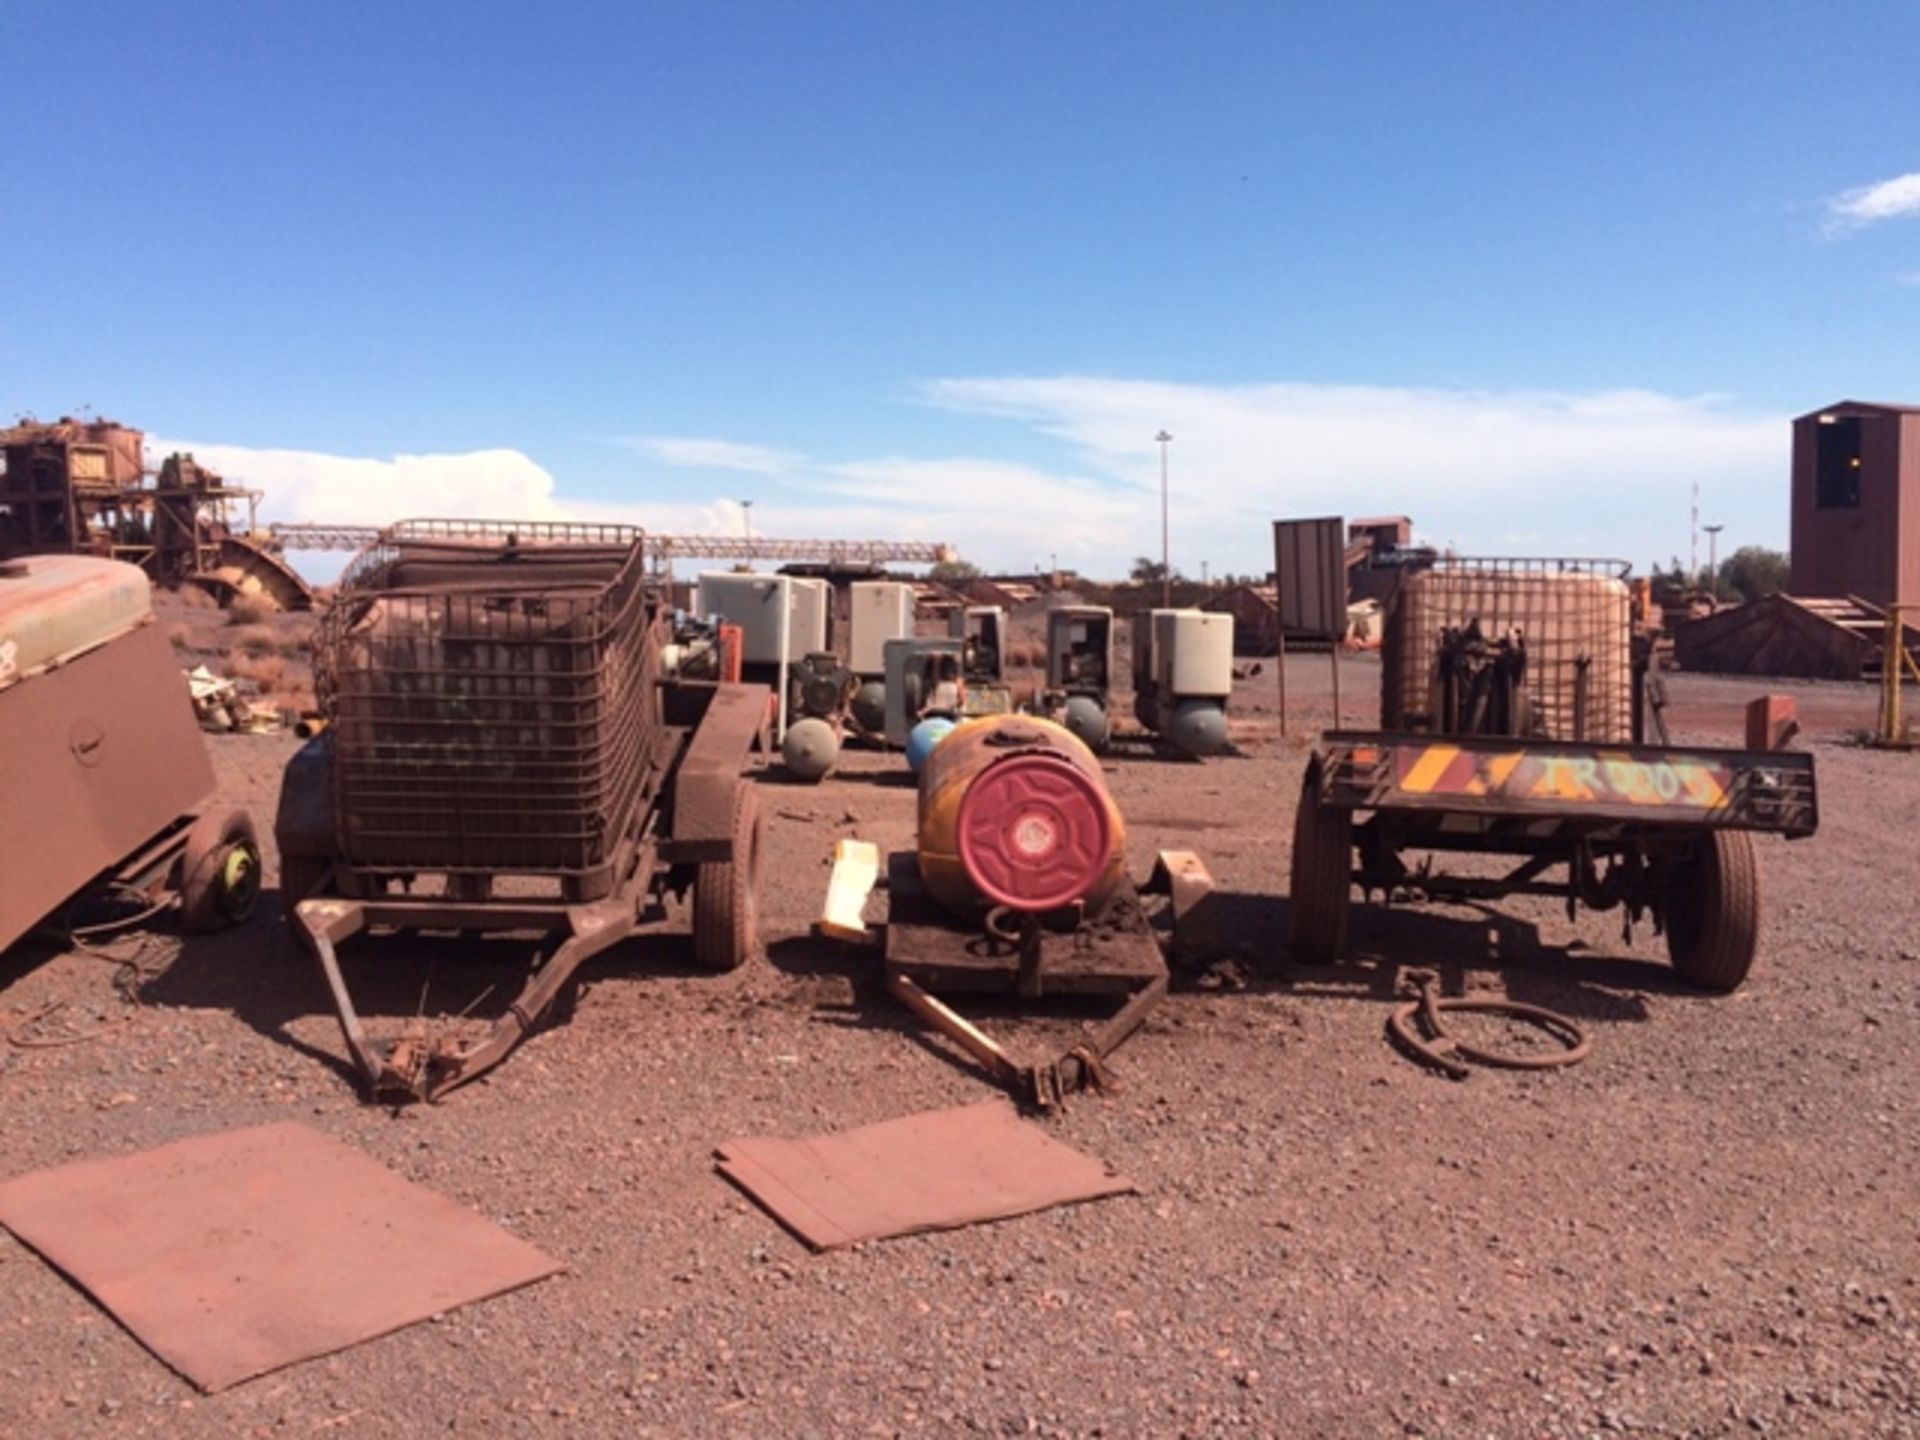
420 1065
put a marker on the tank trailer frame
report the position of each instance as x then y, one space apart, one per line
505 754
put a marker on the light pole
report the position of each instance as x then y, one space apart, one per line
1166 565
746 517
1713 558
1204 582
1693 555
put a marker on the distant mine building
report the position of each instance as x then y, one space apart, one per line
1856 503
1855 551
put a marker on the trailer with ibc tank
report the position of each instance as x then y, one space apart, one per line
505 753
1519 719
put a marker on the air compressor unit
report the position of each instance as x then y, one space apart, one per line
1183 677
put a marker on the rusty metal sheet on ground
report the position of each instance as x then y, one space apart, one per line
231 1255
935 1171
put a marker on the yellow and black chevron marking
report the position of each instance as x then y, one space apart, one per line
1603 776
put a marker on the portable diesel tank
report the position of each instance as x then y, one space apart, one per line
1014 812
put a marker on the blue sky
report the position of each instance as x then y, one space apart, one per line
1525 272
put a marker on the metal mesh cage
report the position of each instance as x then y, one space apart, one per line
490 704
1571 617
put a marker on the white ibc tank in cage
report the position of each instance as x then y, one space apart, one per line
1574 623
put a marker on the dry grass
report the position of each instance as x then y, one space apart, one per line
180 637
250 610
255 640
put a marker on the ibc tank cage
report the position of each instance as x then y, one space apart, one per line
1454 631
490 687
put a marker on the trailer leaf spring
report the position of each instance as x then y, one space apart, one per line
1449 1054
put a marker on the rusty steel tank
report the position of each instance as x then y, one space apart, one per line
1014 813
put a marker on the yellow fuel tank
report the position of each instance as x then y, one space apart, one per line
1014 812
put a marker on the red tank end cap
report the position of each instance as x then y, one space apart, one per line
1034 832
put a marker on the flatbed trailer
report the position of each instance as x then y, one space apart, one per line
1516 701
1659 830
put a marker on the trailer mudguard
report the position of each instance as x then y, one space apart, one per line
709 773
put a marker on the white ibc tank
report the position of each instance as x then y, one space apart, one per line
881 610
757 604
1576 626
1193 653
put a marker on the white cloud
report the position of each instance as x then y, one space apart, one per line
690 452
311 485
1605 472
1870 204
1593 473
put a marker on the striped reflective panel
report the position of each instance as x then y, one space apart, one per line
1604 776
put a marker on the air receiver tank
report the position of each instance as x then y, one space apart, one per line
1013 812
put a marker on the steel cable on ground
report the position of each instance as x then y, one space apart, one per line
130 974
1446 1052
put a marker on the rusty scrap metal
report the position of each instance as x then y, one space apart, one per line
260 1247
1447 1053
933 1171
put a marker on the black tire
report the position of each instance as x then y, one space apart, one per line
1713 912
220 871
726 893
1322 883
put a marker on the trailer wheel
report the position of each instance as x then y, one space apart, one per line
1713 914
1322 881
219 871
726 893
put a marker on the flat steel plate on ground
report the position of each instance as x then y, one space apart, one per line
1113 953
234 1254
935 1171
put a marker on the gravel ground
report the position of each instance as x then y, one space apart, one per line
1710 1227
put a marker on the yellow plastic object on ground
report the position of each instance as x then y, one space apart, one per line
1014 812
856 869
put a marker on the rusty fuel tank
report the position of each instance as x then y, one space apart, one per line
101 746
1014 812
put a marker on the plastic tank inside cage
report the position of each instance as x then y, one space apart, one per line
1571 617
490 704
